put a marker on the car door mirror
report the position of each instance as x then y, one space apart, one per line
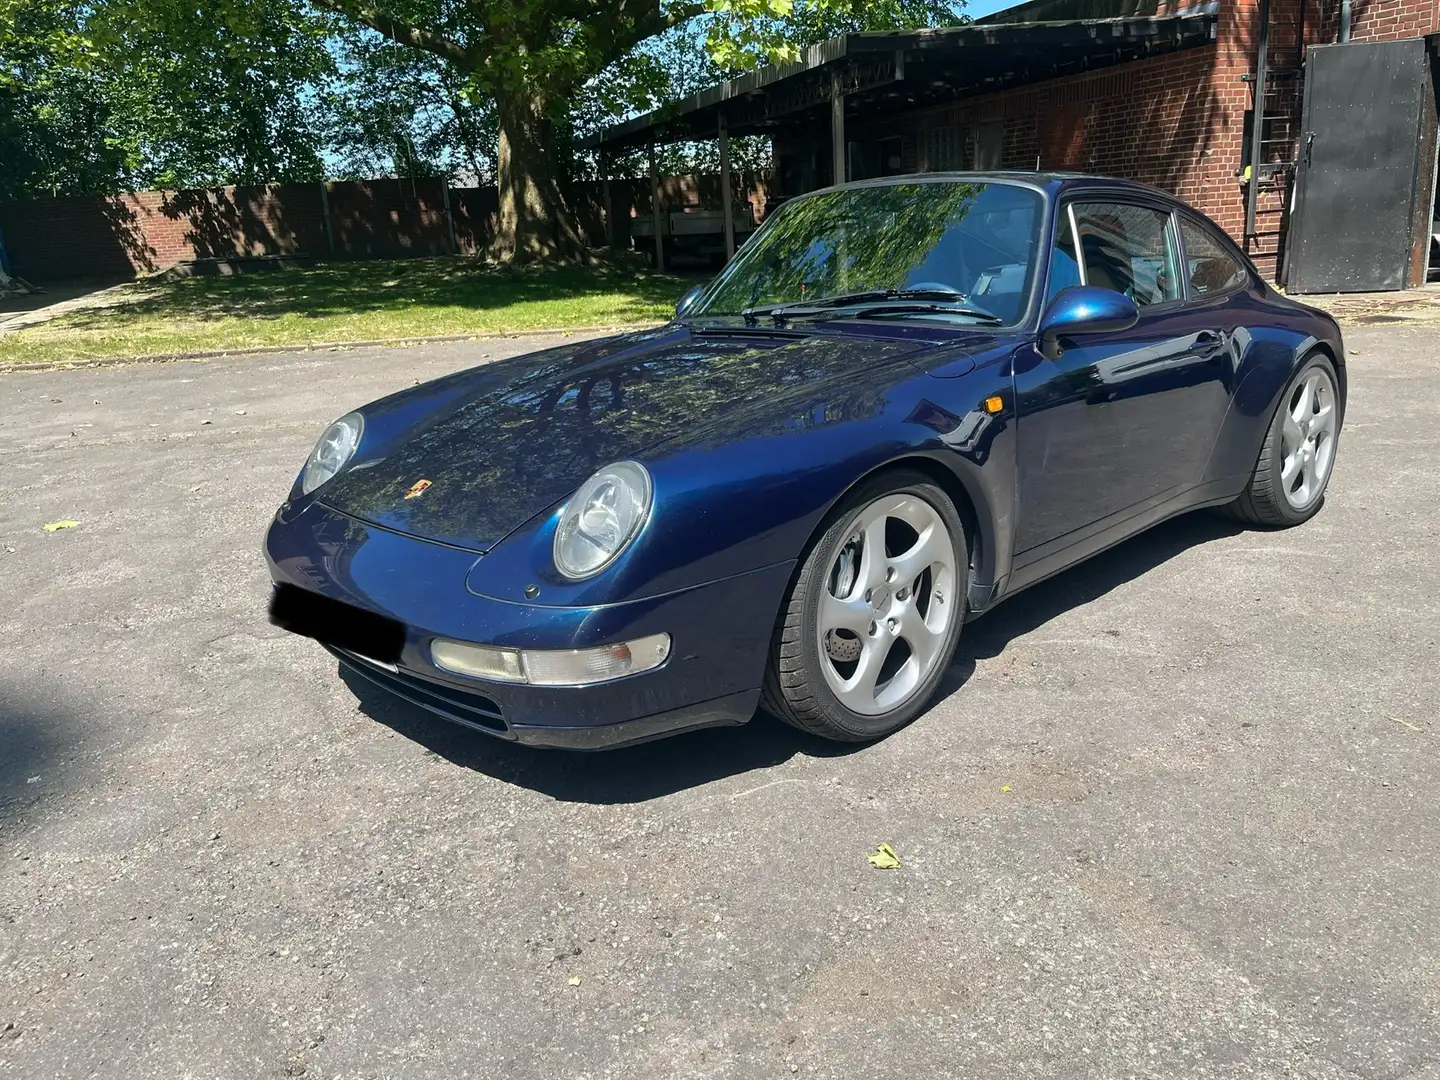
1084 309
688 300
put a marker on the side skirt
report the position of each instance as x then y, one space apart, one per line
1048 564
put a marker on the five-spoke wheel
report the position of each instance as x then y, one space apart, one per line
1307 438
1298 454
874 612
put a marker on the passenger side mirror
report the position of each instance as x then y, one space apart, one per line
1084 309
688 300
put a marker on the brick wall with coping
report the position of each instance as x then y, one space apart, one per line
121 236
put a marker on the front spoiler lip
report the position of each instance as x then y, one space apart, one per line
716 653
731 710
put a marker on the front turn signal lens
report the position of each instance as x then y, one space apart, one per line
552 667
480 661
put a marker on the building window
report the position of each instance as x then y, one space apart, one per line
942 149
989 145
880 158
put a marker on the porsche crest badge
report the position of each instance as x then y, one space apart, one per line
417 489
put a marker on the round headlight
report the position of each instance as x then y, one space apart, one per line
601 519
335 448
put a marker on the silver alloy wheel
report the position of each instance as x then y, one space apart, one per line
886 611
1307 438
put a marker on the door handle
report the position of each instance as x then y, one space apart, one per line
1208 342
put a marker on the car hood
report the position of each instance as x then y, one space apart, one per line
500 443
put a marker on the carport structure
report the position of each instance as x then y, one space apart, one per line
1320 162
833 114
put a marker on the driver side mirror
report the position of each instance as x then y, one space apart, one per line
687 301
1084 309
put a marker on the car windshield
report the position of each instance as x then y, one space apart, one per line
941 249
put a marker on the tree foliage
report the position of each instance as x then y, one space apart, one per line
749 33
107 95
116 94
58 134
391 109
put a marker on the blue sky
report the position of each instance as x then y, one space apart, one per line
978 8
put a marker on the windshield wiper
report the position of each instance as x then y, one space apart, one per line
878 308
781 311
903 307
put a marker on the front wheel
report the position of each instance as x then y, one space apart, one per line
874 613
1288 485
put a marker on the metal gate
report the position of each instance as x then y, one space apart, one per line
1364 186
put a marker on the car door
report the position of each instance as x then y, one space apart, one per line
1216 280
1118 422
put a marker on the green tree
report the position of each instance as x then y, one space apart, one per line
534 57
214 91
393 109
106 95
58 134
740 38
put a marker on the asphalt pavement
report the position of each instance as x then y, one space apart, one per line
1176 813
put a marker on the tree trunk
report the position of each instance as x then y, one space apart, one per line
535 223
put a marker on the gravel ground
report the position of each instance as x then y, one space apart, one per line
1179 820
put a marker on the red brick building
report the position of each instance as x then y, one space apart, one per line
1148 90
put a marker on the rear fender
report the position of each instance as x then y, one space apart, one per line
1270 358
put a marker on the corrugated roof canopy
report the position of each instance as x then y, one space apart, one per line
905 69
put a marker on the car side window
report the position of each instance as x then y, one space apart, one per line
1130 249
1210 268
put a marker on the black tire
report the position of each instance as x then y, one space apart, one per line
795 690
1263 501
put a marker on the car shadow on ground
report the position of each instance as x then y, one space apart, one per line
1031 609
638 773
33 746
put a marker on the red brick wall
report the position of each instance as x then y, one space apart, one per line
387 219
1380 20
121 236
1174 122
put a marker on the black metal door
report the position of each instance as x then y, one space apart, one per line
1360 166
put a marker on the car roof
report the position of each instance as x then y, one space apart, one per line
1051 182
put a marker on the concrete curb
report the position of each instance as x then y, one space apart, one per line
12 368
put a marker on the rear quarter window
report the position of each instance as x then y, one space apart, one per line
1211 268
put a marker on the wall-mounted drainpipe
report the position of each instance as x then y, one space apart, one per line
1344 21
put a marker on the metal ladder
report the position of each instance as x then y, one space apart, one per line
1276 89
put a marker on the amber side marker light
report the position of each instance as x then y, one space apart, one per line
994 404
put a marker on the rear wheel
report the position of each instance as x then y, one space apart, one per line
874 614
1296 459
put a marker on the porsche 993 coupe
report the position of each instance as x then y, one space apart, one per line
900 403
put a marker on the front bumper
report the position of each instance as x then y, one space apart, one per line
720 637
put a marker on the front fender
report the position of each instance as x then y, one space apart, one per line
752 497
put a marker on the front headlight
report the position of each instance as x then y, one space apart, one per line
601 519
335 448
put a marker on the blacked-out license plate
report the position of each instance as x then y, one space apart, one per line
334 623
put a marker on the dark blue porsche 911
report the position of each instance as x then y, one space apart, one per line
900 403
